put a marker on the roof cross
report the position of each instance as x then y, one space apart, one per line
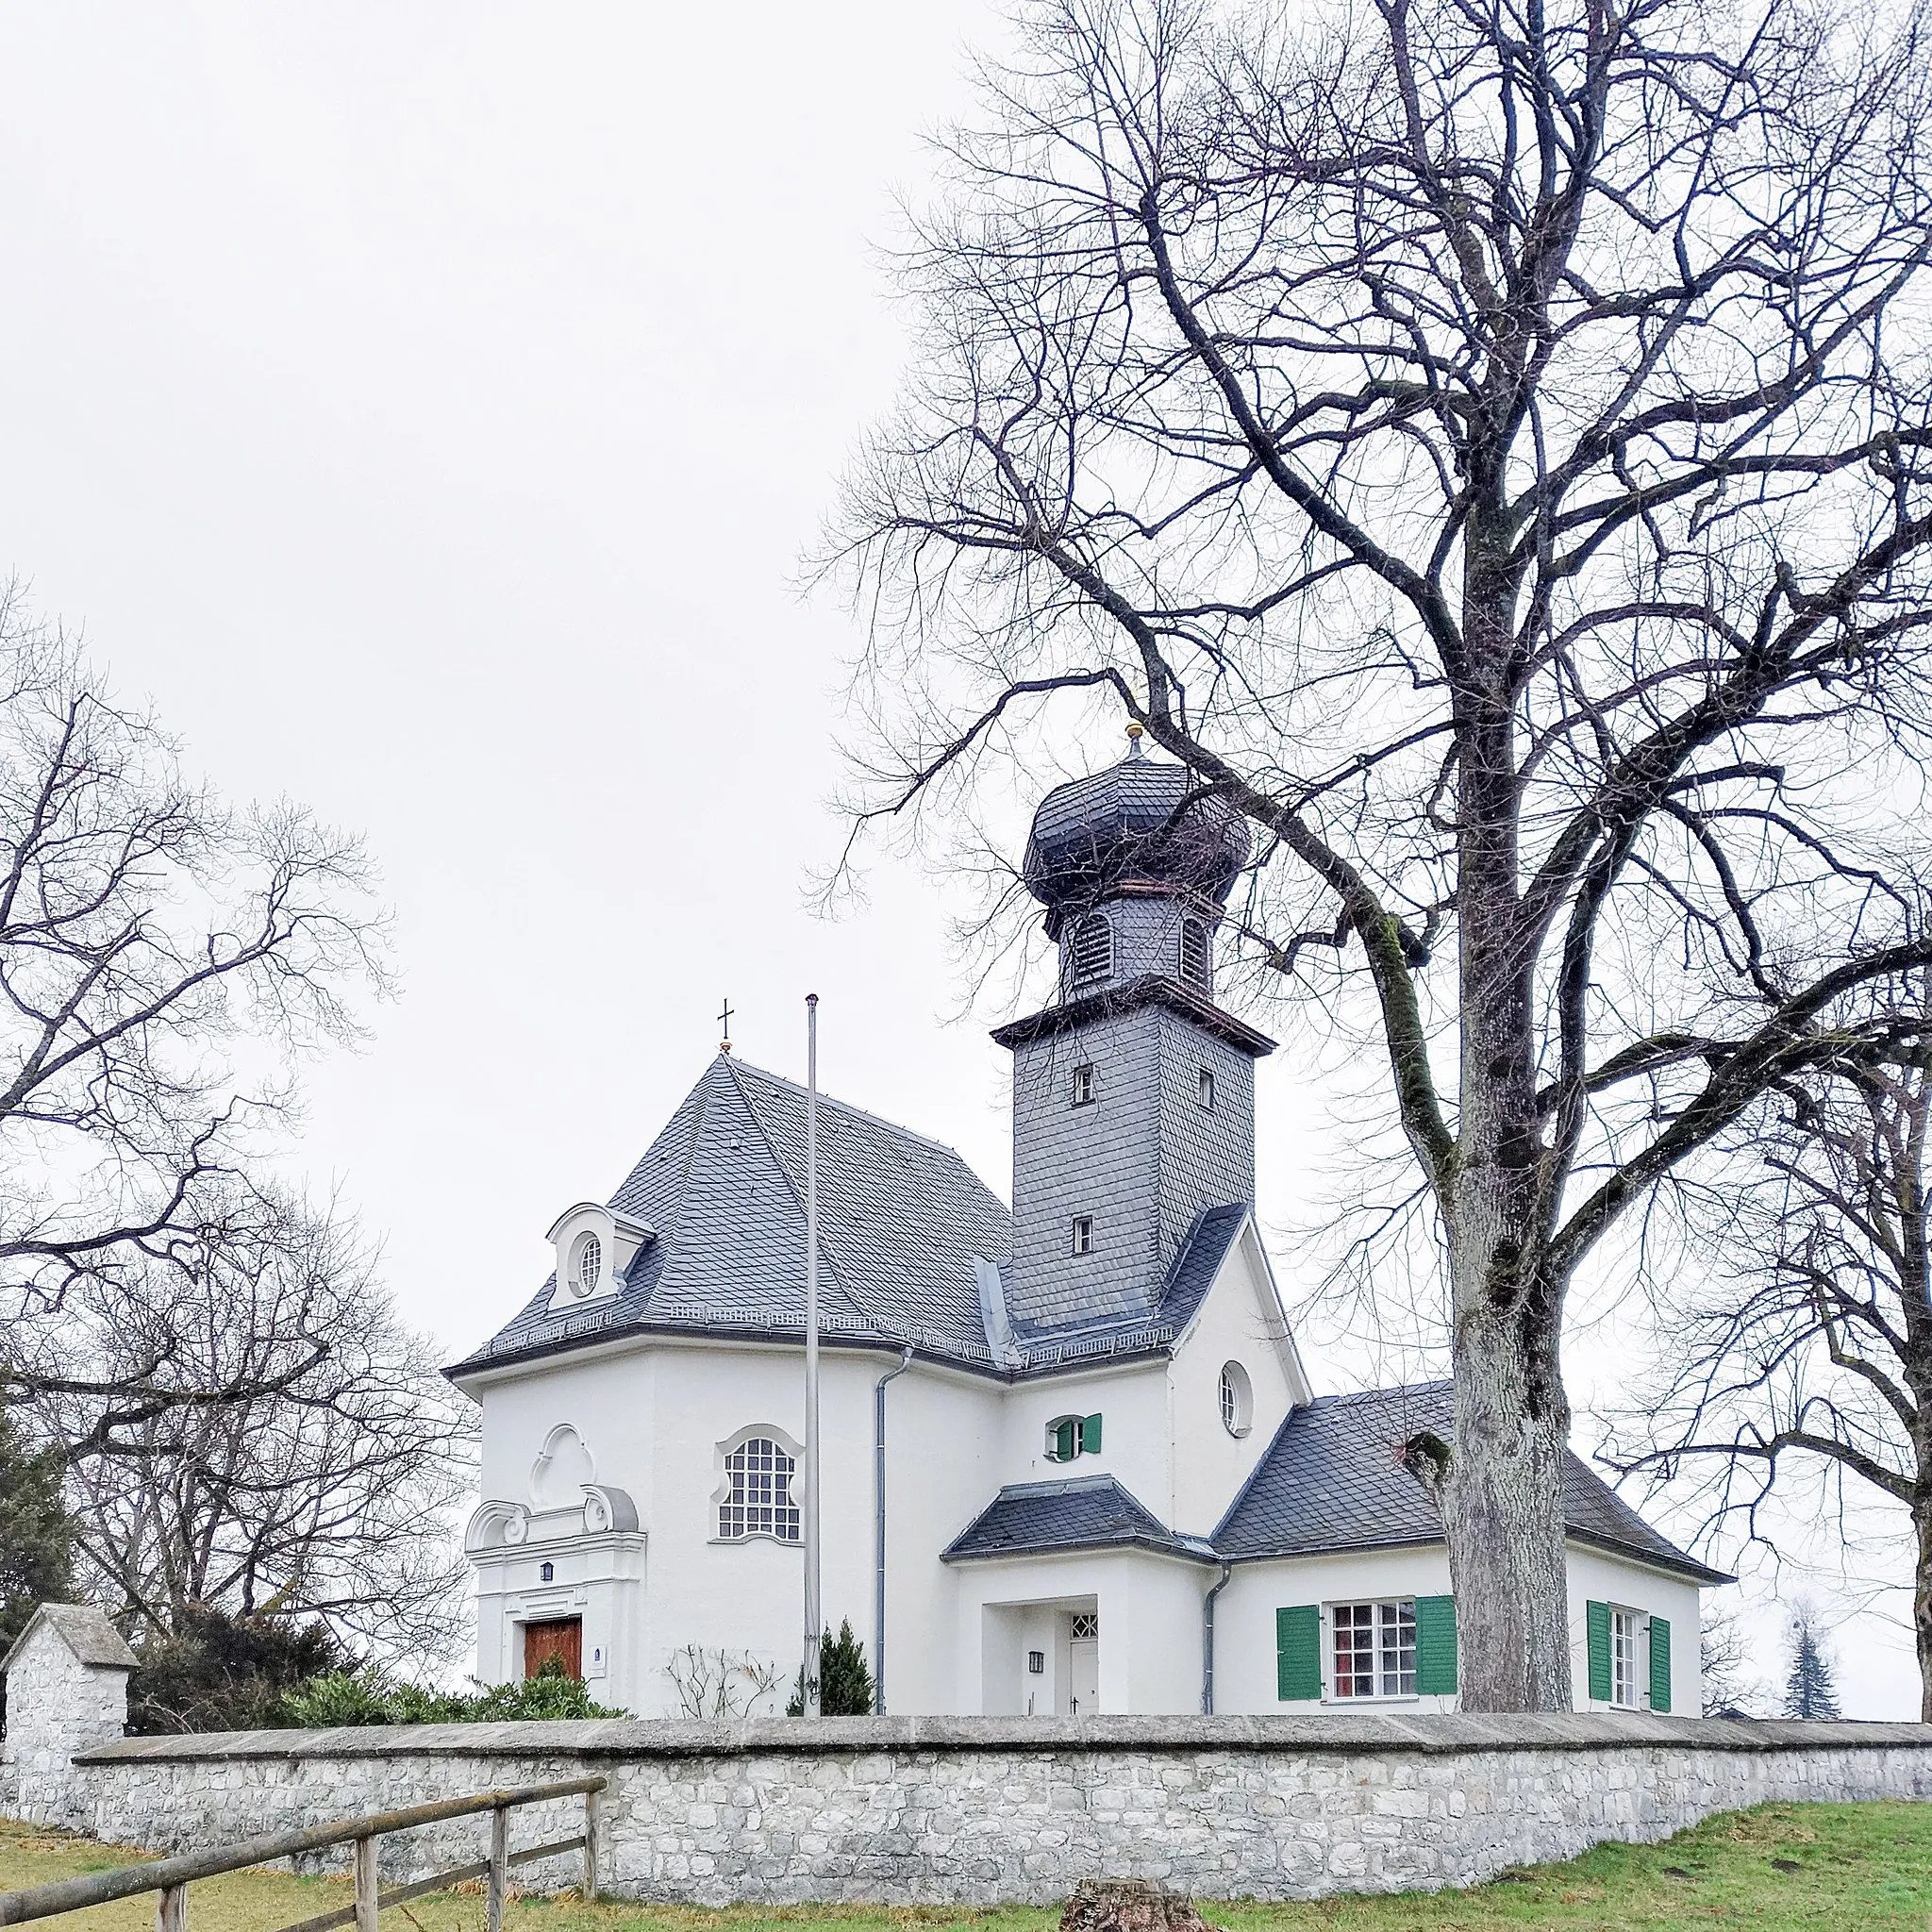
725 1021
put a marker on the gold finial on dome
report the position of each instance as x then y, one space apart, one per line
1134 731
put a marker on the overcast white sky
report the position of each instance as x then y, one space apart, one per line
426 406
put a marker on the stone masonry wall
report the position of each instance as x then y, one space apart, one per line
57 1707
988 1809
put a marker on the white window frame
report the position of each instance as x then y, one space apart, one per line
1083 1234
1083 1084
1626 1676
1391 1682
787 1515
1237 1397
1204 1087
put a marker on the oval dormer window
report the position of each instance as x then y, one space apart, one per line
1090 950
589 1268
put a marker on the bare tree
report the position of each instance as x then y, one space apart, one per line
1487 444
1812 1346
1724 1660
161 955
320 1486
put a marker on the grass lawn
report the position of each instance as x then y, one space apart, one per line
1856 1867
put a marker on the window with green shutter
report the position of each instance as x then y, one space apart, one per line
1063 1439
1090 1435
1435 1646
1659 1664
1298 1653
1596 1627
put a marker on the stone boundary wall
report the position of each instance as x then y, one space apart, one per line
983 1811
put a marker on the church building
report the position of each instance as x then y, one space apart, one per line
1071 1459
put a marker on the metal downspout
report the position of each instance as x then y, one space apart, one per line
1208 1640
879 1491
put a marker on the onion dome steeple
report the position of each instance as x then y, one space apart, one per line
1133 869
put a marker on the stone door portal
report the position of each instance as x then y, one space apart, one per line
562 1637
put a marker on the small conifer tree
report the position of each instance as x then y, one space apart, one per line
845 1687
1808 1690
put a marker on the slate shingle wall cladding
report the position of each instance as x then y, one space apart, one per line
1098 1160
1206 1154
1144 1159
1146 939
986 1810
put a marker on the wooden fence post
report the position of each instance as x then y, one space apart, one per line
362 1853
590 1847
499 1866
171 1910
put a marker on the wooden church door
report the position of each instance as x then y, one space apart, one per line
562 1637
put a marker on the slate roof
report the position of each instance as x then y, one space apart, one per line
901 1222
1132 825
1331 1480
84 1630
1090 1513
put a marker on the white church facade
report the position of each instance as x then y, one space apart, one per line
1071 1461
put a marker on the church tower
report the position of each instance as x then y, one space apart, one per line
1133 1093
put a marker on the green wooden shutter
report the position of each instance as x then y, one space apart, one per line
1298 1653
1596 1624
1659 1664
1435 1646
1090 1435
1066 1439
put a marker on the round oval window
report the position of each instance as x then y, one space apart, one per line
590 1264
1237 1399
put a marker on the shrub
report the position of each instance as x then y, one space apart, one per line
369 1697
845 1687
218 1673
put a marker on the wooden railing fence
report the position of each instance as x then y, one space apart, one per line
171 1877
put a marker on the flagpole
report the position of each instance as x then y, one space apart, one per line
813 1618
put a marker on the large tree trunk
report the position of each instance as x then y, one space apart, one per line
1502 1510
1502 1497
1922 1604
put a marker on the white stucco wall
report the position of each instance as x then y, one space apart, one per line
1240 1320
652 1416
1149 1608
1135 1449
1596 1574
1244 1649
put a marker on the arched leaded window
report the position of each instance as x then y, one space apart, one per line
1193 953
1090 950
759 1500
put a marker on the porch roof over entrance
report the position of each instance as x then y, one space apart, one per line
1090 1513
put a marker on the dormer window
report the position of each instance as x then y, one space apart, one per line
1090 950
589 1268
594 1246
1193 954
1083 1086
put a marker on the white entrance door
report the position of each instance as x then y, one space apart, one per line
1083 1665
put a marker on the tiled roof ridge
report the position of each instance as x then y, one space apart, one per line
877 1120
1341 1396
828 1259
681 1199
1066 1485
